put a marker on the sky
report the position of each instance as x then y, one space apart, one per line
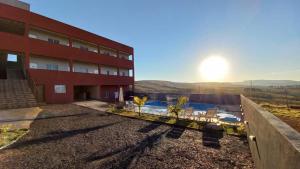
171 38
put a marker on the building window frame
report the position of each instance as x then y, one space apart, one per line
60 89
53 41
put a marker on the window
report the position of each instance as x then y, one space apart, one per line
52 67
12 58
84 48
33 66
106 94
60 88
33 36
130 73
53 41
108 52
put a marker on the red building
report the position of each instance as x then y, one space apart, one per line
61 62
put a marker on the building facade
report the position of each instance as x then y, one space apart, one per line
63 63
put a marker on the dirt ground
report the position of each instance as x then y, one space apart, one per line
69 136
292 121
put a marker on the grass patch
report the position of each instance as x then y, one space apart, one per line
7 135
281 110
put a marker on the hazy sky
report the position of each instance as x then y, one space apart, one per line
259 39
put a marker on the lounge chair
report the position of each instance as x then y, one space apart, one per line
201 115
211 114
129 106
189 113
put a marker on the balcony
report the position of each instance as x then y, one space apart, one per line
12 42
50 77
43 48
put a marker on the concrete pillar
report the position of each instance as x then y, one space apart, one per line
71 65
118 54
3 63
99 69
27 60
98 49
70 42
133 72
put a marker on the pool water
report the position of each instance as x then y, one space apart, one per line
160 107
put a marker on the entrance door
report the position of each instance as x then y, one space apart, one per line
3 62
40 93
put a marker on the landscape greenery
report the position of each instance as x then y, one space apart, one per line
7 135
280 97
236 129
278 93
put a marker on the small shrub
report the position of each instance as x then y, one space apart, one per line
140 102
178 107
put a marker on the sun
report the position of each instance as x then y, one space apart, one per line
214 69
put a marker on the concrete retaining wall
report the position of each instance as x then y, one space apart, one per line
16 3
276 145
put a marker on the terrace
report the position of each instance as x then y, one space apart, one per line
70 136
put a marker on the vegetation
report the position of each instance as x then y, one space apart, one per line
140 102
238 130
281 110
230 129
7 135
282 98
178 107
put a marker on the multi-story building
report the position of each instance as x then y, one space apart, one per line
62 63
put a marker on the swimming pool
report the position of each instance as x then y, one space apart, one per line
160 107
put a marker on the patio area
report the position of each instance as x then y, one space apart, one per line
70 136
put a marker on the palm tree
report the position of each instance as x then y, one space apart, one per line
140 102
178 107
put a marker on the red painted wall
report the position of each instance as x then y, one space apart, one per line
26 46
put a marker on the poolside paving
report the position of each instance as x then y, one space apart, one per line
70 136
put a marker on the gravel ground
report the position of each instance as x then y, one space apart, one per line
69 136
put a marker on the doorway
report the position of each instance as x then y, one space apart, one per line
86 93
40 89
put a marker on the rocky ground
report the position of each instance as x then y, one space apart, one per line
69 136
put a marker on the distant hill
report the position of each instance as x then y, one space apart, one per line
168 84
269 83
261 91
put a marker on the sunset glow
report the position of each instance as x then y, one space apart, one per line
214 69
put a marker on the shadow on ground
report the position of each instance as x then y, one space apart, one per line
129 155
45 117
175 132
212 135
57 135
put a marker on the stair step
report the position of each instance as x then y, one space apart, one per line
16 93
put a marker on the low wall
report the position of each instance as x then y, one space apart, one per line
276 145
201 98
16 3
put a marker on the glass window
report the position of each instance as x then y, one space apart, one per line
33 36
60 88
33 66
130 73
84 48
12 58
53 41
106 94
52 67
